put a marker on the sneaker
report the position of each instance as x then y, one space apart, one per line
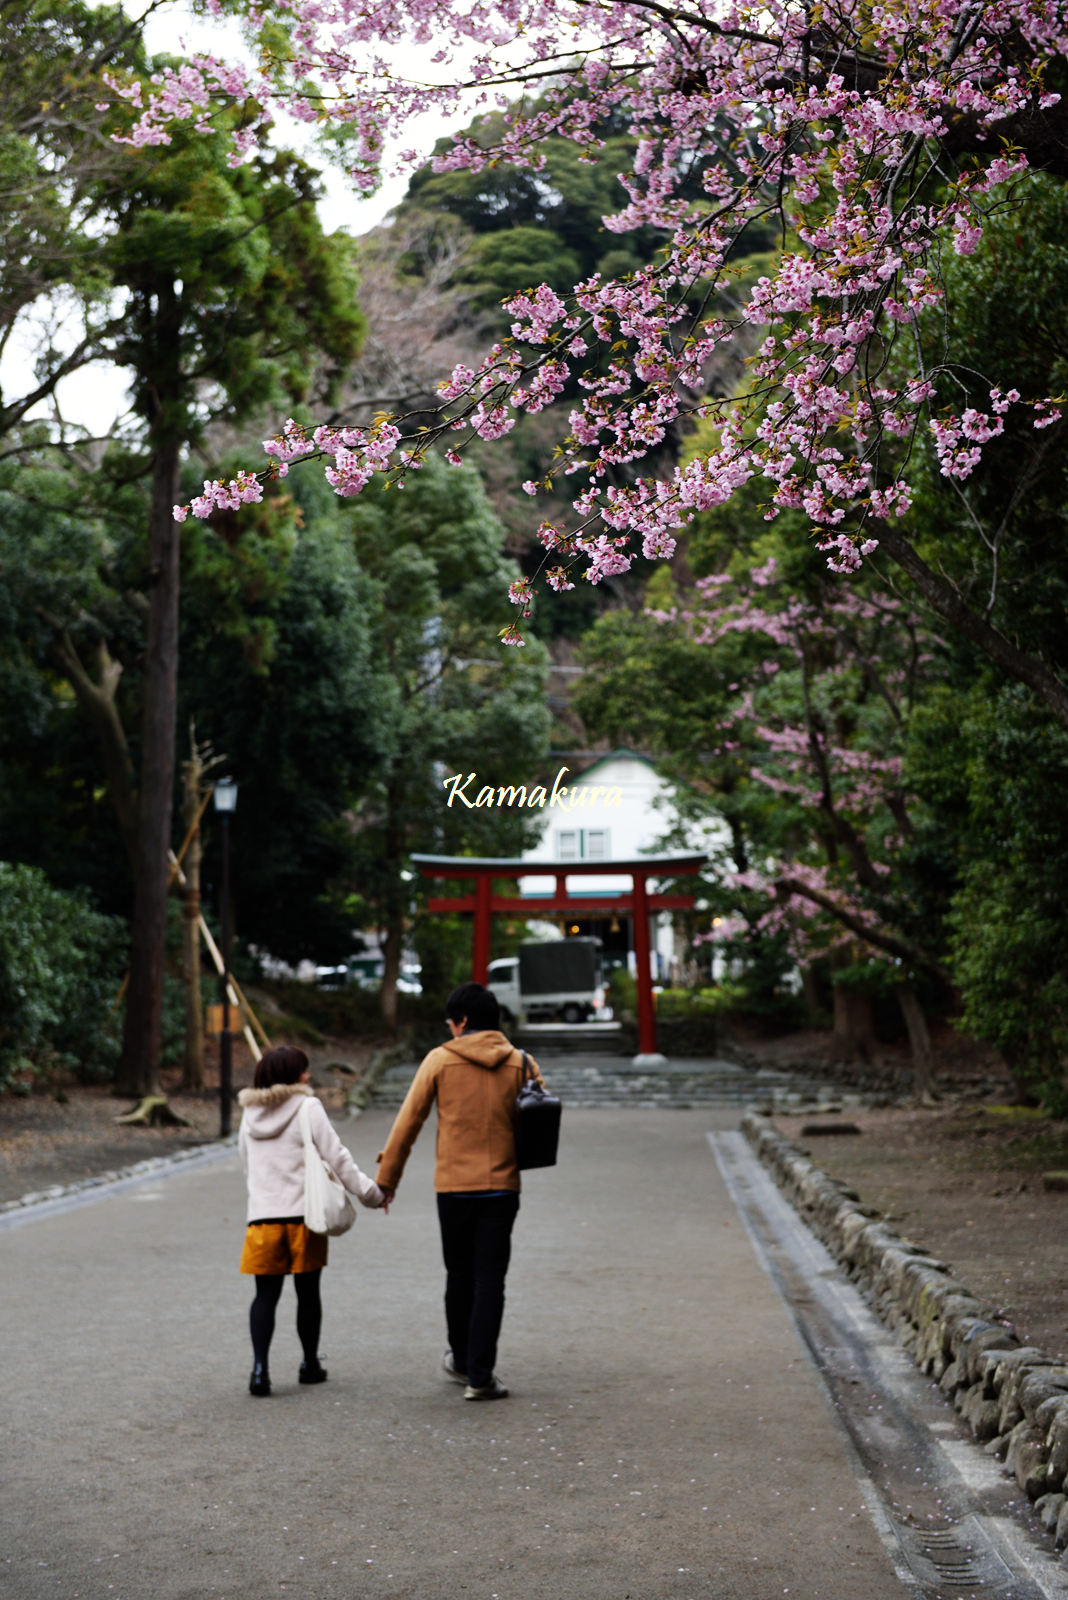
448 1365
494 1390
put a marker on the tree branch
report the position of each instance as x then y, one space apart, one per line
888 943
943 598
97 698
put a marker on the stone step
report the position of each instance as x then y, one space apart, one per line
594 1082
553 1038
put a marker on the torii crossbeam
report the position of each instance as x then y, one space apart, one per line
638 901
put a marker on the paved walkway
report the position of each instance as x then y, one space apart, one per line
666 1439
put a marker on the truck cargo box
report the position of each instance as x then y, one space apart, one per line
566 966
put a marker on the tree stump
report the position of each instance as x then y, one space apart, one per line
153 1112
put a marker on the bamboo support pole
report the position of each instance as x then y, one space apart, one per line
233 989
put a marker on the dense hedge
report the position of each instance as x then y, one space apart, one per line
61 964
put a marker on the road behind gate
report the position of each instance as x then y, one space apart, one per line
666 1439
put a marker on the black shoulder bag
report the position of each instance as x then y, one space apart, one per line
537 1122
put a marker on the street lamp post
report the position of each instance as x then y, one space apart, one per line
225 801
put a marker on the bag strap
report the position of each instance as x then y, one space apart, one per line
526 1068
303 1117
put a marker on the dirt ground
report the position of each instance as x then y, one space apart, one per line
964 1179
68 1132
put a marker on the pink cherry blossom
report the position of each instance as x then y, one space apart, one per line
738 113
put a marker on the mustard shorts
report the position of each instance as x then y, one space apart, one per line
276 1248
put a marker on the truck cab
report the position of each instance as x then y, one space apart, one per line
504 981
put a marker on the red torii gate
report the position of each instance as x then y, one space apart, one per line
638 901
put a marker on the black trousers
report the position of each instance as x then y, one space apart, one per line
476 1242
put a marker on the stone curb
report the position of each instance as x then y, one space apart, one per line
1013 1397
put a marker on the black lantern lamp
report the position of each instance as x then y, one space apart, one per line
224 799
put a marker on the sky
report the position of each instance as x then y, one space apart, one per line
96 396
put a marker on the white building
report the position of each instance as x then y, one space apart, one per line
615 810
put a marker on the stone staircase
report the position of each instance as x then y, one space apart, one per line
561 1039
583 1077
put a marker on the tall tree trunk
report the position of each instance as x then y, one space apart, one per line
392 931
193 1059
810 988
923 1068
392 939
854 1030
97 698
138 1072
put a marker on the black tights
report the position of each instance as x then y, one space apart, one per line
309 1313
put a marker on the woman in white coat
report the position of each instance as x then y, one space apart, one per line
277 1243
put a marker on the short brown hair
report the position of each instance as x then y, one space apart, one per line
284 1063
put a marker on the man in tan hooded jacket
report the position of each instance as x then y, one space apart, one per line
474 1079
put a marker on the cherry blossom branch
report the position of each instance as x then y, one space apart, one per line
889 943
850 126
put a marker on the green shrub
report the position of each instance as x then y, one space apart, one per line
989 765
351 1011
622 993
61 964
692 1002
1008 953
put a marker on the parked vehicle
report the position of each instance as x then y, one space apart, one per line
366 972
560 980
331 977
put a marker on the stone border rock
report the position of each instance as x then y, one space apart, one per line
1013 1397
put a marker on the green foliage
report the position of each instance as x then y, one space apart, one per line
443 945
60 967
688 1002
1001 535
732 998
524 228
566 200
230 300
622 993
313 1014
504 264
989 764
231 281
281 676
452 699
54 166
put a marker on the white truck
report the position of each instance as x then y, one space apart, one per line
559 980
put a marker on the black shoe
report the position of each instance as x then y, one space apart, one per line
259 1383
312 1372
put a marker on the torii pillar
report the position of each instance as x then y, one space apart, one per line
638 901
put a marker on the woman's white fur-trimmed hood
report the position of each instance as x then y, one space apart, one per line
276 1095
268 1112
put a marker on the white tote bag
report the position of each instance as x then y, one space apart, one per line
327 1207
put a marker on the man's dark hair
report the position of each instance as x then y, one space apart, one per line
283 1064
477 1004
